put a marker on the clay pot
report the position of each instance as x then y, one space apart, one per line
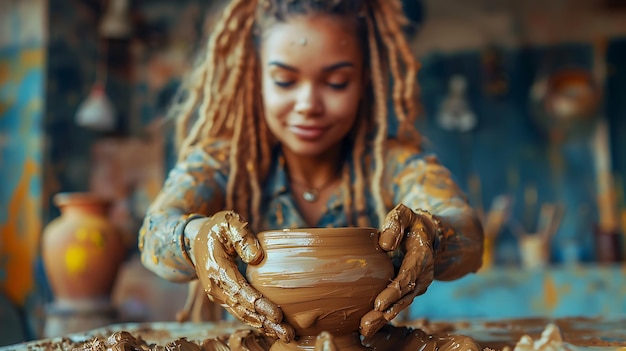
324 279
82 251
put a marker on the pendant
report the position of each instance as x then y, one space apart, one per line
310 196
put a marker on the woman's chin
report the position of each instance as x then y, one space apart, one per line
311 152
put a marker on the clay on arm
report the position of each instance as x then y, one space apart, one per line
423 183
193 188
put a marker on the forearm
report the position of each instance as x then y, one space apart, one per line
461 246
428 186
163 246
193 189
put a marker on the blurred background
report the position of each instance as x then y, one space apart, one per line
524 100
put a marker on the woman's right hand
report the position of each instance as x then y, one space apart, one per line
219 240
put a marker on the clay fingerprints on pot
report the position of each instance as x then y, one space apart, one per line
324 279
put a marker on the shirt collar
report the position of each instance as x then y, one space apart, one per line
277 183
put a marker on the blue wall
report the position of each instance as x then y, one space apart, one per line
22 76
513 293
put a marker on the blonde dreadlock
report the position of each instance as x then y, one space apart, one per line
222 96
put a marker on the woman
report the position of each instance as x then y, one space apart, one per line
285 124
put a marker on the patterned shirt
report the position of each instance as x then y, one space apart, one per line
197 185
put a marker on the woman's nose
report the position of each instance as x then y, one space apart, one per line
308 101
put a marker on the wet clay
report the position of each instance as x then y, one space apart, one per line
412 232
124 341
534 333
221 239
225 235
391 338
417 235
388 339
565 334
323 279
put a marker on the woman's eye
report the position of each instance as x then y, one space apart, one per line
338 86
283 84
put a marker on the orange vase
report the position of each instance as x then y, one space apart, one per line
82 251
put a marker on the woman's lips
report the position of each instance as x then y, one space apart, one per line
307 132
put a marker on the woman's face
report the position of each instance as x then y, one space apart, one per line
312 81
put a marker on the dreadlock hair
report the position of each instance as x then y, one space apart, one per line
223 101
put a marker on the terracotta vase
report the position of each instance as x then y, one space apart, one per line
324 279
82 251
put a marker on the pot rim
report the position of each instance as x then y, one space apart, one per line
319 229
79 198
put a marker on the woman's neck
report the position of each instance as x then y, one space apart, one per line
313 171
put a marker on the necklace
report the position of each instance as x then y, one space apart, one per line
311 194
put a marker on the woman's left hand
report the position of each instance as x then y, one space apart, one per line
414 234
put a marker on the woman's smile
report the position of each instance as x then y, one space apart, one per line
307 133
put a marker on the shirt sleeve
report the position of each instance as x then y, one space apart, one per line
195 186
421 182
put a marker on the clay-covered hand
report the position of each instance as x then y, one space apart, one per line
413 233
220 239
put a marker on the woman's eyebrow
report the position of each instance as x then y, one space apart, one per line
338 65
282 65
332 67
